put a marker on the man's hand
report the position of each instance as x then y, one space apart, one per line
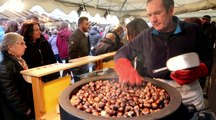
126 72
188 76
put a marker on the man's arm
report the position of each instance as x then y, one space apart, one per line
73 46
127 73
132 49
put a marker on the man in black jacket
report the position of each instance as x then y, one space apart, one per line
167 38
79 46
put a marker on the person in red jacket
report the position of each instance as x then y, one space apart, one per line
63 41
167 38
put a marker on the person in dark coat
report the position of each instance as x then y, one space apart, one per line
167 38
94 37
16 101
105 45
79 46
117 34
39 51
133 28
210 31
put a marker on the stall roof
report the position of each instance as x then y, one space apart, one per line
121 8
22 15
121 5
131 6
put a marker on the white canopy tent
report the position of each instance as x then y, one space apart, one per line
122 8
73 16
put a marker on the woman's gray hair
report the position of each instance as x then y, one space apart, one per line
9 39
64 24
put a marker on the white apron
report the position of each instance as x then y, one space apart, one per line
190 93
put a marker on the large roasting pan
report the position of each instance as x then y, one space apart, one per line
69 112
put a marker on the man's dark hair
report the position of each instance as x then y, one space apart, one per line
29 17
81 19
167 4
207 17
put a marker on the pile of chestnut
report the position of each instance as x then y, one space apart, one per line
112 99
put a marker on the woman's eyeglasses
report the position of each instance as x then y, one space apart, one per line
21 43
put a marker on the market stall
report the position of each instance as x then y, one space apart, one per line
46 94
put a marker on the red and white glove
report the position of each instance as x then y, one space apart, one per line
126 72
190 75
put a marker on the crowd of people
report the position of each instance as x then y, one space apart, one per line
30 44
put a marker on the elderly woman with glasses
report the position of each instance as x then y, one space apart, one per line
16 101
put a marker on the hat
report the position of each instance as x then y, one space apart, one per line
4 19
207 17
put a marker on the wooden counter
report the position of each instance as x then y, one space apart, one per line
41 90
52 68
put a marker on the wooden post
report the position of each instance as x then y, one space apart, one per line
99 64
37 88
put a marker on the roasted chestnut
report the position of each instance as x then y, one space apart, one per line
109 98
